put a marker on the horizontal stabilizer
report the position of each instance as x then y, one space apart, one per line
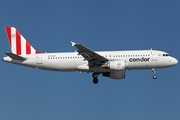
14 56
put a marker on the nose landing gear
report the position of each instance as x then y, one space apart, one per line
154 73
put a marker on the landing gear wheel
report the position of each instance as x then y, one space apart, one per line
154 76
95 80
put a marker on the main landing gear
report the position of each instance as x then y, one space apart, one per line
154 73
95 77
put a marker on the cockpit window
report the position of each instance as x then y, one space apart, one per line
165 55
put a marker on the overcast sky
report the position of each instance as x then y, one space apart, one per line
31 94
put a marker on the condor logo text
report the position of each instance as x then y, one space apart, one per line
139 59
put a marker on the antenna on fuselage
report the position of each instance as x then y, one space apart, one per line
151 50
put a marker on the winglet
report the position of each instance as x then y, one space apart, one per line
73 43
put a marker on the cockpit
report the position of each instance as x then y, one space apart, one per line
165 54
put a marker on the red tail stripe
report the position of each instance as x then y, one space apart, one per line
28 48
8 32
18 43
37 52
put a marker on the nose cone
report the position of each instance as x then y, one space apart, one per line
174 61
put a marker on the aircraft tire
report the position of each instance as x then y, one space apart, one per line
95 80
154 76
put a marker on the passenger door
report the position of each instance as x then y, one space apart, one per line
154 56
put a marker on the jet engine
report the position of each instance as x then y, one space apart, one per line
115 65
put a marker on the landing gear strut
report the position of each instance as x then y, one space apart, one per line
154 73
95 77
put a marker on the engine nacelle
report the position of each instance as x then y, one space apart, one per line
115 74
115 65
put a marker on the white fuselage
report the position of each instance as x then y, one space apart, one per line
112 64
71 61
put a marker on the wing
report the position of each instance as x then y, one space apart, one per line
89 55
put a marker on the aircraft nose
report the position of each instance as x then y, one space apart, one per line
174 61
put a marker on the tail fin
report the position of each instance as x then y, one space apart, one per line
19 45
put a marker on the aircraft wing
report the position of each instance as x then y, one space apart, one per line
89 55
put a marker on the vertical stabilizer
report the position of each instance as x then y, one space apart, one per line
19 45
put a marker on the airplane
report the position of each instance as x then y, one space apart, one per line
112 64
